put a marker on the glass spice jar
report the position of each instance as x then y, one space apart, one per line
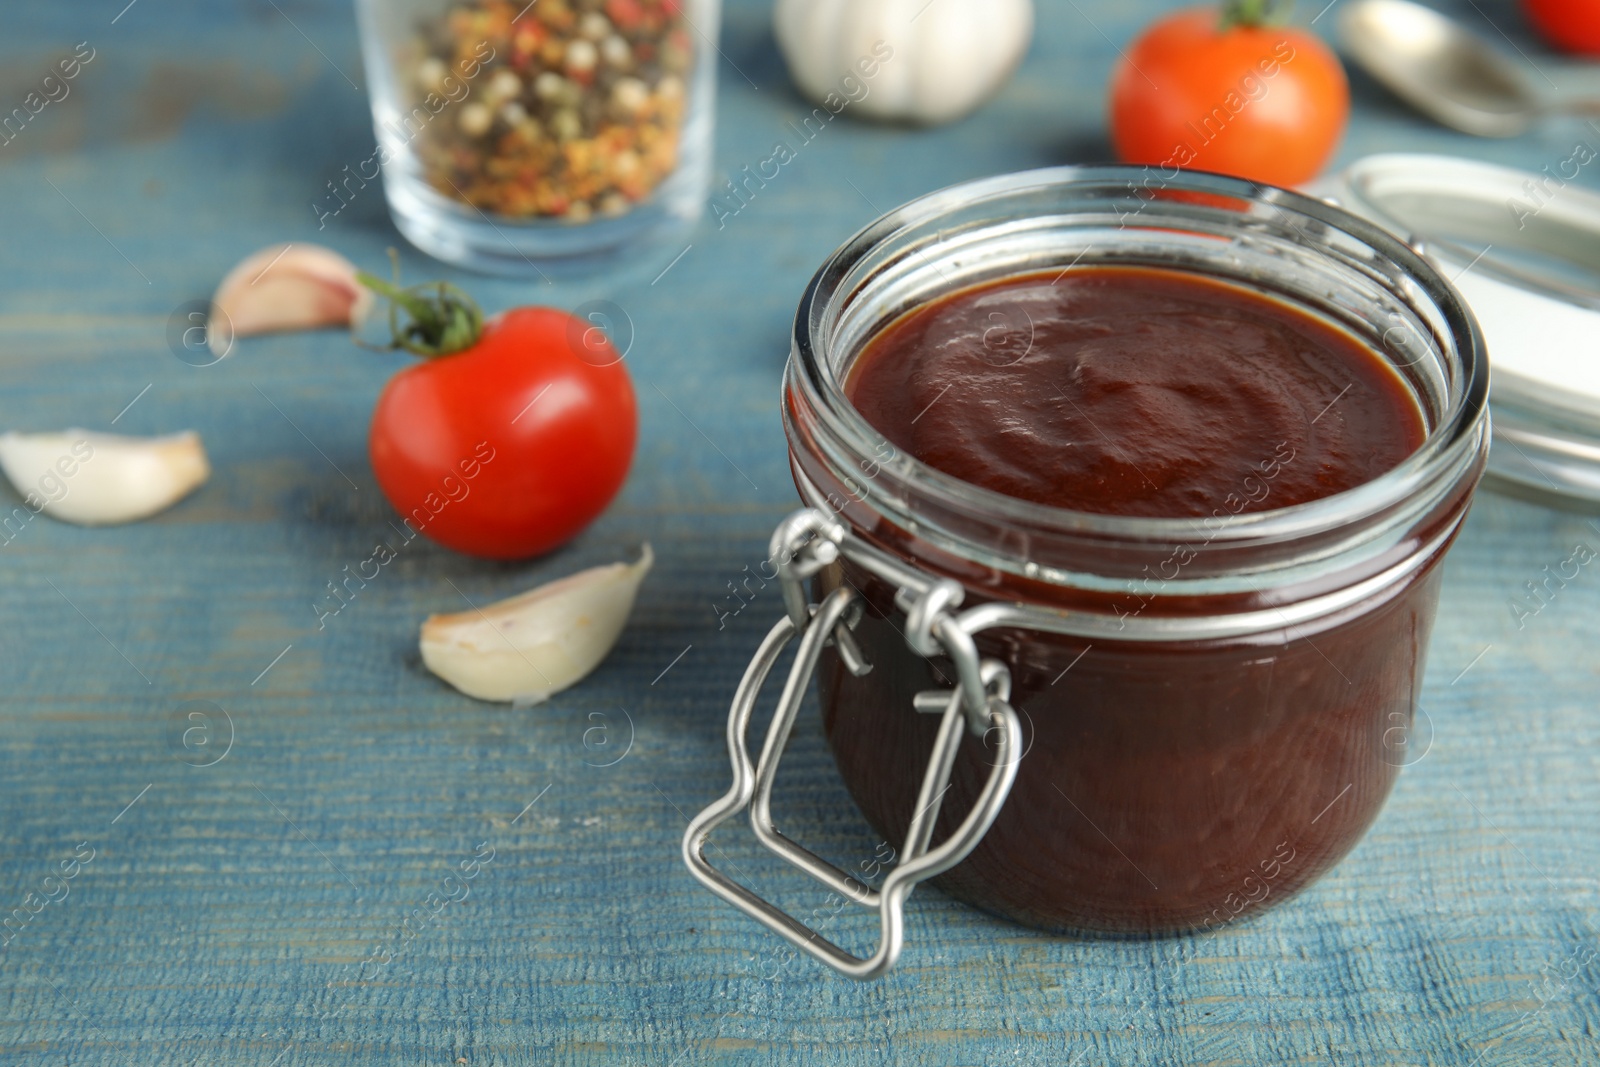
560 136
1169 722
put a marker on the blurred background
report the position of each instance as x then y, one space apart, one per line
232 907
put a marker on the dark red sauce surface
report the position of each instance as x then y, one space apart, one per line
1166 785
1134 391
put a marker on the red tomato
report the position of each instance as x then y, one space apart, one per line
1570 24
1260 102
512 445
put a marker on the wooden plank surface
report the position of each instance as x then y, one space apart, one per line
227 909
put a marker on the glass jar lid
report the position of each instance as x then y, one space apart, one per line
1523 248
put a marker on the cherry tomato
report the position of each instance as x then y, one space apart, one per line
511 445
1570 24
1259 102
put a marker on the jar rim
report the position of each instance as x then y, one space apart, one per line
811 372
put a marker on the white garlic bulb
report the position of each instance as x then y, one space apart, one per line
926 61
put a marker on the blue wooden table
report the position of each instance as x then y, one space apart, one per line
239 893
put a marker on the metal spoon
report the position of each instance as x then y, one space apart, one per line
1453 75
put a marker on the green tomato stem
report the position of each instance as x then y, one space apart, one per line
1253 13
442 318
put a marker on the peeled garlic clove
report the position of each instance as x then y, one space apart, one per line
97 479
537 643
286 287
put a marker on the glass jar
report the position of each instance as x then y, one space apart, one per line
1196 716
565 136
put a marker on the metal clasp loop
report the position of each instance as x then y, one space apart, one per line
804 543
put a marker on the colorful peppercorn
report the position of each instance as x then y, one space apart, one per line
577 113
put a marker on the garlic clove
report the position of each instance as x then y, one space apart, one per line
286 287
98 479
537 643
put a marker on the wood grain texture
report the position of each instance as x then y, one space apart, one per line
227 909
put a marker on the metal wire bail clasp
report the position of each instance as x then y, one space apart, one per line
804 543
